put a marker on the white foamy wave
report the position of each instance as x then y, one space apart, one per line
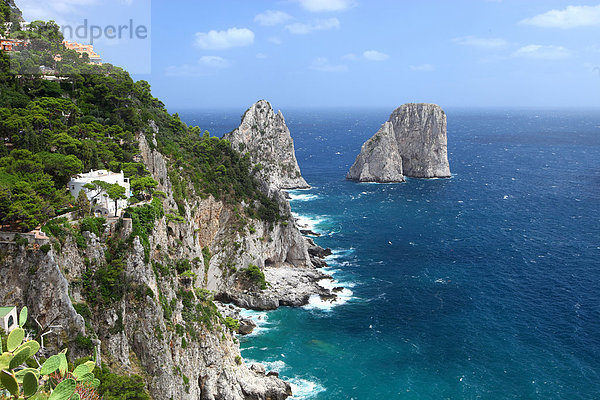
260 318
302 196
303 389
276 365
315 302
308 222
249 361
332 284
339 253
330 270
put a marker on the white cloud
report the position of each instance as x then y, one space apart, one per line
326 5
570 17
319 25
540 52
214 62
422 68
374 55
487 43
275 40
323 64
272 18
217 40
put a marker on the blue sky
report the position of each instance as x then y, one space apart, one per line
360 53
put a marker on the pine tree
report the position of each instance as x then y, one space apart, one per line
82 204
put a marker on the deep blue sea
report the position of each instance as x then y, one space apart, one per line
482 286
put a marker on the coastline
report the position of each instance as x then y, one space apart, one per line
312 290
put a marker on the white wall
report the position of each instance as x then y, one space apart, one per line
77 184
4 321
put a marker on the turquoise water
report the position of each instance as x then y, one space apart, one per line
483 286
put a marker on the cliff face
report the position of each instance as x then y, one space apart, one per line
265 136
134 333
412 143
161 326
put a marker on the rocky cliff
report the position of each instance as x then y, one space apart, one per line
413 143
264 135
145 302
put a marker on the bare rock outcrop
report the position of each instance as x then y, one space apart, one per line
265 136
412 143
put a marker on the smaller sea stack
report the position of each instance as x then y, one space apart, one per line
412 143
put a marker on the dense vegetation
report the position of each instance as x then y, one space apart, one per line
88 118
118 387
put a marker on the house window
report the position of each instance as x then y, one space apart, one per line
11 321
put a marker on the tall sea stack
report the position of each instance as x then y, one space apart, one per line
411 143
265 136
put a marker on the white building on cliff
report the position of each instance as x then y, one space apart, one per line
101 203
8 318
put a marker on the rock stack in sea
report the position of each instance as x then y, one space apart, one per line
412 143
264 135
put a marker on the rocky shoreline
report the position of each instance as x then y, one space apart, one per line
287 285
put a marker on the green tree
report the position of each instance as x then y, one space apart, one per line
114 191
61 167
144 186
82 204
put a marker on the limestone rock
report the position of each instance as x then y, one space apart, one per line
246 326
135 332
265 136
379 159
413 143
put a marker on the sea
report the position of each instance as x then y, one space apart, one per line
482 286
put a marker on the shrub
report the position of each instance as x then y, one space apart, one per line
207 256
175 218
80 240
232 324
83 310
182 266
164 270
119 387
94 225
188 274
57 228
21 241
84 342
257 276
45 248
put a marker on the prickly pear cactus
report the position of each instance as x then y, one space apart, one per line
22 381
